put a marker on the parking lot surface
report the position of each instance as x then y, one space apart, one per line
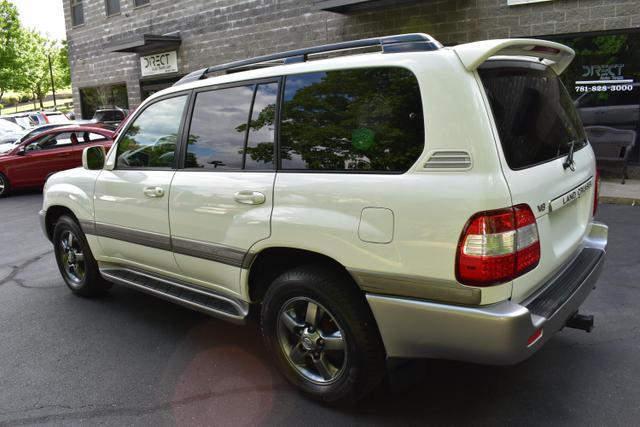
129 358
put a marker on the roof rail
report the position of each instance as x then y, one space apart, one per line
389 44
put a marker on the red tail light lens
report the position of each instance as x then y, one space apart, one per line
498 246
596 193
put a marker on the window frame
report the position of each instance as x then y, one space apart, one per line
73 4
179 142
106 9
182 153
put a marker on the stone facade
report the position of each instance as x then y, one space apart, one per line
217 31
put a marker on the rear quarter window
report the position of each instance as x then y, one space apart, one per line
368 120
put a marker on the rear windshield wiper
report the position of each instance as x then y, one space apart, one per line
568 162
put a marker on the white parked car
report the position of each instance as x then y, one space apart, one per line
417 202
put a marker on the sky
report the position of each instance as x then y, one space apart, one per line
44 16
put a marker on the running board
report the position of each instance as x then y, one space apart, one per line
199 299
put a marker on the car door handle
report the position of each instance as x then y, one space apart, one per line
249 197
153 191
64 154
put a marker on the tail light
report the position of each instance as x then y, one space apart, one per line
596 193
498 246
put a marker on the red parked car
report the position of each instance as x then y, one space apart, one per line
31 162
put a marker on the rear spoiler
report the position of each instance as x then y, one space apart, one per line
474 54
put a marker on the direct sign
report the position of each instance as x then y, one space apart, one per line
160 63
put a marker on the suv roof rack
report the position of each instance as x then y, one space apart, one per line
389 44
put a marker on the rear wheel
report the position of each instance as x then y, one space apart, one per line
4 185
322 334
75 261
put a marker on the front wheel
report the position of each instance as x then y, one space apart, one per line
322 334
75 261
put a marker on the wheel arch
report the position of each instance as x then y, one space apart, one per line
270 262
54 212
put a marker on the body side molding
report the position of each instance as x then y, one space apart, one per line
219 253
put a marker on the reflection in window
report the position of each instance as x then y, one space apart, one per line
604 80
261 128
151 139
365 119
219 130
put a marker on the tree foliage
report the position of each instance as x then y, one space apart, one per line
9 38
25 56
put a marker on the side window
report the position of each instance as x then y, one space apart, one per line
88 137
150 141
259 148
49 142
364 119
222 136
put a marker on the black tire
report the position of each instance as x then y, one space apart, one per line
84 279
358 369
5 186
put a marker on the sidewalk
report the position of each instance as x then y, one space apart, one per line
611 191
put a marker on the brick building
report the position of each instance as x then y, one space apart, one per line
123 50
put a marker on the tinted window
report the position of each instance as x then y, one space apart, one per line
534 114
367 119
219 131
151 139
262 128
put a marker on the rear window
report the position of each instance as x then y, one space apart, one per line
534 114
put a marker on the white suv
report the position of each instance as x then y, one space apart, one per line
419 201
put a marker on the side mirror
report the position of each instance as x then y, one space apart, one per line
21 151
93 157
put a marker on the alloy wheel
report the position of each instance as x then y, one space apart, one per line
72 257
312 340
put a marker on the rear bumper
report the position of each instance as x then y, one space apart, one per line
497 334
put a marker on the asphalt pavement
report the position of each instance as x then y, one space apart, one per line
132 359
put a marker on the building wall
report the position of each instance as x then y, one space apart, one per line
217 31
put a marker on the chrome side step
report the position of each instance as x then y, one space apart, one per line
199 299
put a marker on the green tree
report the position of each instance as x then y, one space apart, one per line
9 38
62 65
33 74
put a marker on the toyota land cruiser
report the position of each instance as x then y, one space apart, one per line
419 201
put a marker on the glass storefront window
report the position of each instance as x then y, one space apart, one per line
604 80
94 98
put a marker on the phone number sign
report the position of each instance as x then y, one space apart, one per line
160 63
